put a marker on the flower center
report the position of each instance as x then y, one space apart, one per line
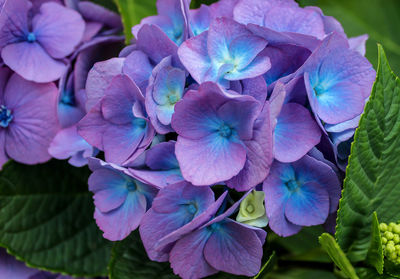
172 98
250 208
292 185
5 116
191 208
139 122
320 89
67 98
225 131
31 37
131 186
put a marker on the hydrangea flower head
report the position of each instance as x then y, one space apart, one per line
35 46
120 199
298 194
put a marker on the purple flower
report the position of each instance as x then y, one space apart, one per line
295 130
174 206
298 194
120 199
281 16
226 52
118 123
102 73
97 18
69 144
35 46
338 80
28 118
166 88
213 128
160 168
71 104
170 19
221 244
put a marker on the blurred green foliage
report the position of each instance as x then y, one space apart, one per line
380 19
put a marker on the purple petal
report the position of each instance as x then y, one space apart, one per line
92 126
32 62
109 187
198 107
99 79
162 156
156 44
138 67
30 103
358 44
240 115
235 249
296 20
311 169
295 134
120 97
58 29
276 196
92 12
120 222
194 56
68 143
259 155
197 222
309 206
255 87
121 142
187 259
169 214
205 161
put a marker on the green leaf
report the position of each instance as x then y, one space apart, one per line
46 219
330 245
369 273
375 252
132 11
267 267
109 4
197 3
373 173
300 273
379 19
129 260
392 269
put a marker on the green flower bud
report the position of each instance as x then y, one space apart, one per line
384 240
252 210
396 238
396 229
388 235
390 249
383 227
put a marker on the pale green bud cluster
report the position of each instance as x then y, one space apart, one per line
391 241
252 210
